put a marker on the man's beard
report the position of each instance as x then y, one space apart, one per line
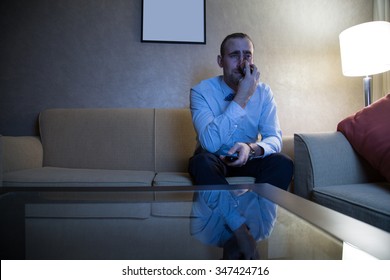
236 78
233 79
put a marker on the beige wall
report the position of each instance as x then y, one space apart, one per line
298 52
71 53
296 47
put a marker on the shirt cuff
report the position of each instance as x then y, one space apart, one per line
228 209
268 150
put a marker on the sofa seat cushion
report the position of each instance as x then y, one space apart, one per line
240 180
56 176
368 202
172 179
184 179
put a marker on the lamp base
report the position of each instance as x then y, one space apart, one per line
367 90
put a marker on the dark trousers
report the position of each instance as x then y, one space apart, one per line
208 169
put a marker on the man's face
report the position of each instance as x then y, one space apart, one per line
236 51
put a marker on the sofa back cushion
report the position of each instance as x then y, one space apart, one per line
98 138
175 139
368 131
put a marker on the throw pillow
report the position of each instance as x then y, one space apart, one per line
368 131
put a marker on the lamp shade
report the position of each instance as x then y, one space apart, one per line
365 49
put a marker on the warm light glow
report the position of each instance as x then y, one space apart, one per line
365 49
351 252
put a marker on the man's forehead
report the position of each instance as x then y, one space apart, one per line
238 45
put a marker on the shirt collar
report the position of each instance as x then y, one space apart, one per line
226 90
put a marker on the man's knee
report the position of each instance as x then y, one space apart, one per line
281 161
202 160
286 169
207 168
281 169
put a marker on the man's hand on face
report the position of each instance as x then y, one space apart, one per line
247 85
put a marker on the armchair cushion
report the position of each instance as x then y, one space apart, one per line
367 202
368 131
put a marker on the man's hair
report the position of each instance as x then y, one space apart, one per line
233 36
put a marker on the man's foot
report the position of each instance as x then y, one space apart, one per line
246 243
241 246
231 250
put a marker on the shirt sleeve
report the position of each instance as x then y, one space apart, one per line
214 131
269 128
226 205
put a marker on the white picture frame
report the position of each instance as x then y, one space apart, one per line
174 21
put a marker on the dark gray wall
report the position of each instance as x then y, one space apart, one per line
87 53
84 54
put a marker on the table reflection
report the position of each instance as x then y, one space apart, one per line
233 220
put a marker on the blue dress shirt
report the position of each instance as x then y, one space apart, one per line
217 214
220 124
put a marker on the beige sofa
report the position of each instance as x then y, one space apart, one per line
108 147
105 147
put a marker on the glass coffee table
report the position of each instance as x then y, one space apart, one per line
181 223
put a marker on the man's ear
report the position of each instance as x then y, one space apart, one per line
219 60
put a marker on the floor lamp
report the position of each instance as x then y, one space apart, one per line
365 51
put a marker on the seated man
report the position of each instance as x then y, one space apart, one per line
237 126
216 213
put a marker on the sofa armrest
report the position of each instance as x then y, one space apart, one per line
326 159
21 152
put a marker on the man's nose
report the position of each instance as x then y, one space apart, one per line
241 59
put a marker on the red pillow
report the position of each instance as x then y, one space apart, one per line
368 131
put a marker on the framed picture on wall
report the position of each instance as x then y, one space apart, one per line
174 21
